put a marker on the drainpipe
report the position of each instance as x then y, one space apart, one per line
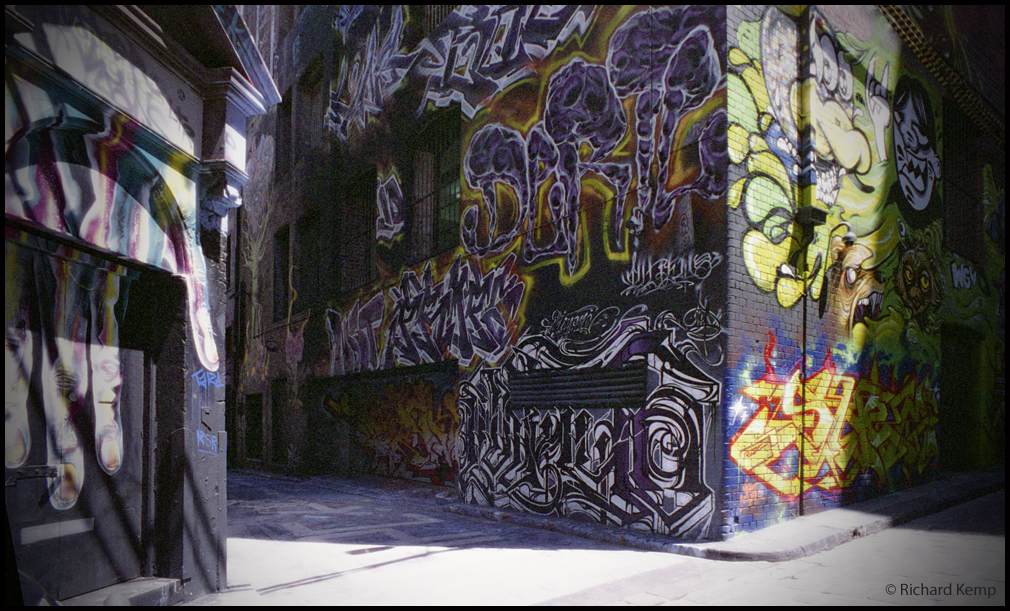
808 216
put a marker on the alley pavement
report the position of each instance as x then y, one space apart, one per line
373 541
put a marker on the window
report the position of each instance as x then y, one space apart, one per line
357 260
307 261
282 250
435 211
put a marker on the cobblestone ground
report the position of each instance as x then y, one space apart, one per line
380 541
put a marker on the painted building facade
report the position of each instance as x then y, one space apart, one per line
566 258
124 157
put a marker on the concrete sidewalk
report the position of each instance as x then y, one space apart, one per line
371 541
792 540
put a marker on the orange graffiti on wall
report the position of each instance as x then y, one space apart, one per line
762 445
406 429
849 427
892 426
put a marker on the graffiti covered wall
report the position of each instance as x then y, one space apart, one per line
589 237
119 155
844 404
88 171
68 314
402 428
630 185
73 407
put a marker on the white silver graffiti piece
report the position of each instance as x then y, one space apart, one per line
581 325
478 52
347 14
389 220
468 314
915 142
354 337
649 275
481 50
641 467
371 75
964 276
817 162
539 351
667 59
698 335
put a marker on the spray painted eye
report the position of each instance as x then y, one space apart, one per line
926 283
850 277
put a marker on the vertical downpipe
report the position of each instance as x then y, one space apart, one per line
806 191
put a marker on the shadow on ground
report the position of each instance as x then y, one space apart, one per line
984 516
374 513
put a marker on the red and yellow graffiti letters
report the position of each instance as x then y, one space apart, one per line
762 447
850 427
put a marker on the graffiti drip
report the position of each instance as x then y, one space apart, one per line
678 49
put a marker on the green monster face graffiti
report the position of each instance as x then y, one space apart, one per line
916 281
856 292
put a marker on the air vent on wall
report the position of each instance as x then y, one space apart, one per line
579 388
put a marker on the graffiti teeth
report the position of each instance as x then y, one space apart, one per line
868 308
828 183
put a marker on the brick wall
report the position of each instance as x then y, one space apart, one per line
878 281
